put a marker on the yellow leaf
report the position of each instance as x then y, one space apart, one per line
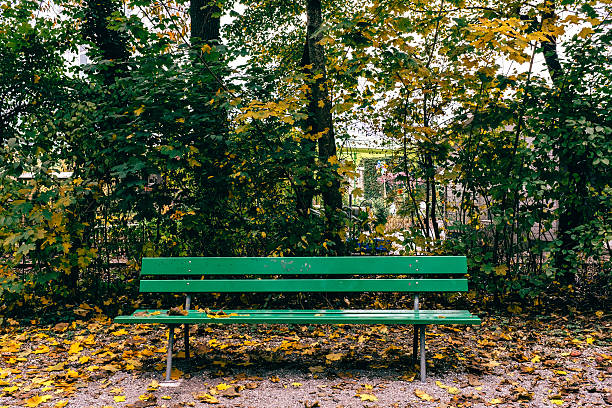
556 401
209 399
495 401
180 120
176 374
590 340
37 400
121 332
75 348
368 397
584 33
36 79
599 313
72 374
206 48
139 111
223 386
61 404
296 384
560 372
516 309
41 349
334 356
501 270
423 395
166 397
119 398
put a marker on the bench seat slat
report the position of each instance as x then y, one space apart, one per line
304 285
309 317
354 265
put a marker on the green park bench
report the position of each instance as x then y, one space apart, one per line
415 274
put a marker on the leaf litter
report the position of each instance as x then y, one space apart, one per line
509 362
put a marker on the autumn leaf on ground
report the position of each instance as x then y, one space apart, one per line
367 397
37 400
75 348
176 374
423 395
42 349
207 398
334 356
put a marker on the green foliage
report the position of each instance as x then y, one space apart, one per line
179 150
372 188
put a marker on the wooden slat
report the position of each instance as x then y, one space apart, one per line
354 265
306 317
304 285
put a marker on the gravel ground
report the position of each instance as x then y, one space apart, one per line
506 363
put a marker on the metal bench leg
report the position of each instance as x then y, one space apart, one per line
415 343
169 357
186 326
186 341
423 362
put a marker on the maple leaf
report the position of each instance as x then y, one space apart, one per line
139 111
36 400
367 397
423 395
209 399
42 349
176 374
75 348
334 356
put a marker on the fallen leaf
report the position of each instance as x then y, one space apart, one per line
206 398
367 397
423 395
334 356
37 400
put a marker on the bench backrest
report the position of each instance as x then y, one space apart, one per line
304 274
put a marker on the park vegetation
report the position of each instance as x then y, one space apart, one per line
216 128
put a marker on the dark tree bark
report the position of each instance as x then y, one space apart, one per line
205 22
210 189
571 208
110 44
320 122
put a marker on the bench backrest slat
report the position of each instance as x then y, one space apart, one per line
304 285
354 265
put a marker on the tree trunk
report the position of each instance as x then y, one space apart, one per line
205 22
571 196
110 45
209 135
320 124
